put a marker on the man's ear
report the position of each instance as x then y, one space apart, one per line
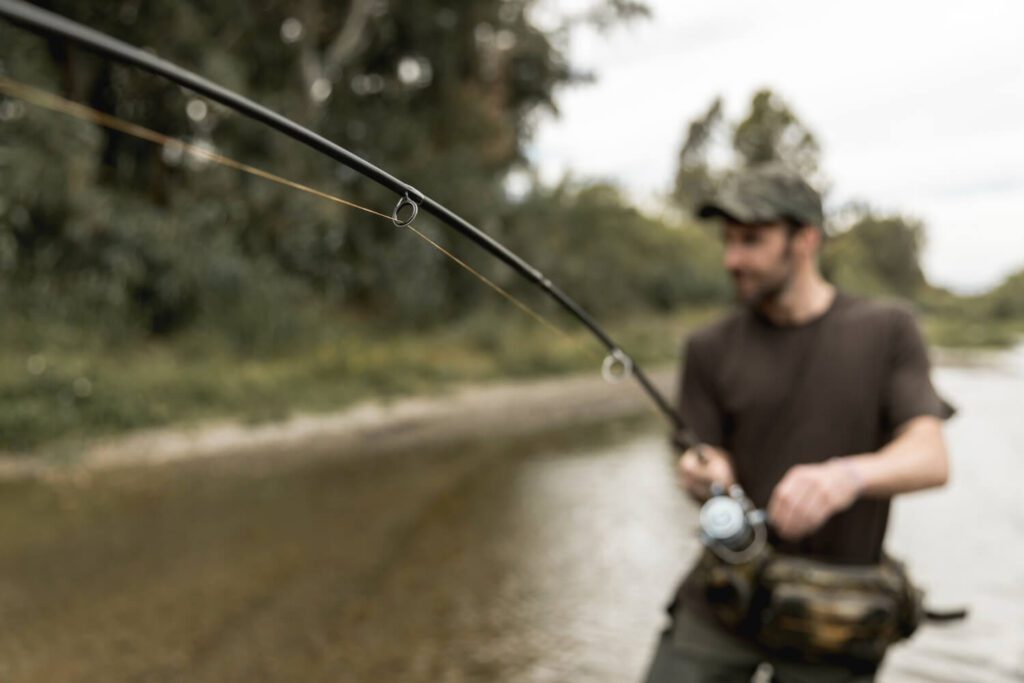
809 239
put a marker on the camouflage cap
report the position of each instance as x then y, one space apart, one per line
765 194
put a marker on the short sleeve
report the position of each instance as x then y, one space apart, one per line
698 402
909 389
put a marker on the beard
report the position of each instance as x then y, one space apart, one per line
765 294
757 290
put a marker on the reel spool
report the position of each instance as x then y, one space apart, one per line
731 527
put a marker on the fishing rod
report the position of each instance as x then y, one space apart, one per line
411 201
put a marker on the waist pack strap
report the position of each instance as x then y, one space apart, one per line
953 614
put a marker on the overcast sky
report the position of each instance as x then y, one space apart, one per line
919 107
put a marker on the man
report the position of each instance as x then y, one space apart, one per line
818 403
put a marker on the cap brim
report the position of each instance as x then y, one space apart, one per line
723 210
709 210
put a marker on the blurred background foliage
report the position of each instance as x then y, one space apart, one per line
140 285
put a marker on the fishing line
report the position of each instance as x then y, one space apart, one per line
56 103
48 100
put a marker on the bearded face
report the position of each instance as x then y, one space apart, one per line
759 258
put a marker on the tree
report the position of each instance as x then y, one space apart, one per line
772 132
1006 302
610 256
877 255
442 94
695 180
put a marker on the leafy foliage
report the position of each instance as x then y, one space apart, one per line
695 181
594 243
770 132
877 255
1006 302
142 236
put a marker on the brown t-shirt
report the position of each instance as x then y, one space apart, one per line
777 396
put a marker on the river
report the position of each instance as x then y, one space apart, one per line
548 559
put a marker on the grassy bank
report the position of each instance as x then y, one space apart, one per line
972 333
57 386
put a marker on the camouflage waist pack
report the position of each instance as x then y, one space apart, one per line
814 610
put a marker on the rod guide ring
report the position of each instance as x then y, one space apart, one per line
616 366
406 201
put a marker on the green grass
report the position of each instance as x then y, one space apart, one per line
56 386
60 384
972 333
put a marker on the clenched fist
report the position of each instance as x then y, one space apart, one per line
809 495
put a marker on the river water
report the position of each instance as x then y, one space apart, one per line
543 560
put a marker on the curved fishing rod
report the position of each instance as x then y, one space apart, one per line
410 202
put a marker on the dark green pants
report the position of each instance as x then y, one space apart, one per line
694 651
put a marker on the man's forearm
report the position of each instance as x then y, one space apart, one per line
916 459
